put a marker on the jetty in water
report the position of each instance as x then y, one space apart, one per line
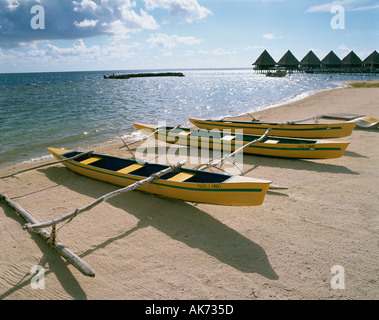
144 75
331 63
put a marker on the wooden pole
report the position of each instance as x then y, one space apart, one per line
66 253
154 176
302 120
210 164
144 138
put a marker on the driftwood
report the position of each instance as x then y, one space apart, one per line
66 253
154 176
47 164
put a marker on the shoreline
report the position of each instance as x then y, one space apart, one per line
114 141
144 247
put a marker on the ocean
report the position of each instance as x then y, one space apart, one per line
84 110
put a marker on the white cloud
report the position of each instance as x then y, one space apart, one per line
86 23
12 4
248 48
186 10
220 51
270 36
366 8
72 19
85 6
162 40
348 5
188 40
217 52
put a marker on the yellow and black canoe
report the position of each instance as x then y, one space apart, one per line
227 140
188 184
295 130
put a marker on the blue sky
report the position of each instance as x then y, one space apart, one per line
81 35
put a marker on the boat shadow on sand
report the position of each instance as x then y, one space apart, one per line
309 165
179 220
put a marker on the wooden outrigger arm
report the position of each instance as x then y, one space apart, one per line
214 163
316 117
73 214
33 225
126 145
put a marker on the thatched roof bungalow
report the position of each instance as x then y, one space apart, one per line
372 61
351 61
289 61
331 61
310 61
264 61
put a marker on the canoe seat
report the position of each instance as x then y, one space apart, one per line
228 138
130 168
90 160
181 177
184 133
271 141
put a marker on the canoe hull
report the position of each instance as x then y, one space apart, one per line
310 131
235 191
274 147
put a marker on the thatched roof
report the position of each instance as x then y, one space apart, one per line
351 60
265 61
289 61
331 60
372 59
310 60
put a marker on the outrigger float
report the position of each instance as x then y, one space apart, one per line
270 146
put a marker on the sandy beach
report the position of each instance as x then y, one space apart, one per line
146 247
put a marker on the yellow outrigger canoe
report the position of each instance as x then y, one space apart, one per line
294 130
271 146
188 184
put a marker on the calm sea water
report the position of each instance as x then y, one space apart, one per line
82 109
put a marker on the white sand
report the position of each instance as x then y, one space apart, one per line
145 247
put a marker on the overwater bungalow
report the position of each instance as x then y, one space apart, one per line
289 61
310 62
264 62
371 63
331 61
351 63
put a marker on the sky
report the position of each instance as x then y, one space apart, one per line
90 35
